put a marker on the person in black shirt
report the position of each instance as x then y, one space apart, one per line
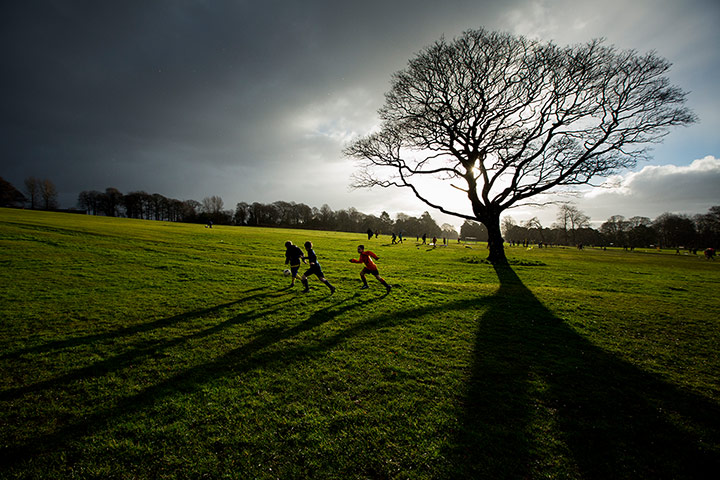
314 269
293 256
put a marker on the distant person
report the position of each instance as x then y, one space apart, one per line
369 233
314 270
393 239
424 237
293 256
366 258
400 240
709 254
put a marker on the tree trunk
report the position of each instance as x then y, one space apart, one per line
495 240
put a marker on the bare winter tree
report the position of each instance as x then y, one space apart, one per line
569 220
49 195
504 119
32 189
212 205
534 224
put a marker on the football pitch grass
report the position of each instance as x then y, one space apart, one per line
139 349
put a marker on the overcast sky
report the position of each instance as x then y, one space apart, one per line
254 100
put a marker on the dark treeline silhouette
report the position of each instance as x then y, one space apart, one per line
39 194
668 230
147 206
142 205
299 215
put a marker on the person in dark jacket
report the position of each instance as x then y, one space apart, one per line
293 256
314 269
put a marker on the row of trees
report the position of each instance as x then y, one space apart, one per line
39 194
142 205
291 215
573 228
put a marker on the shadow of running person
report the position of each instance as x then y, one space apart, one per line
545 402
263 350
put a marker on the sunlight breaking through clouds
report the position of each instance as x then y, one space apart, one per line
339 117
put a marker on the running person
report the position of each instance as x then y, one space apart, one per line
293 257
366 258
314 270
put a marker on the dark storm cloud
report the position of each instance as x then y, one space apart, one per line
248 100
108 91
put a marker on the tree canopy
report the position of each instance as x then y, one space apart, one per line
503 119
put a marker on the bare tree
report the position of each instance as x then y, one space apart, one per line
569 220
212 205
32 189
49 195
534 224
504 119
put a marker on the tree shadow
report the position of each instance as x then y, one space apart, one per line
542 401
545 402
146 350
128 331
253 354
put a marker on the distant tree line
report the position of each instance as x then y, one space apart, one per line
668 230
572 226
299 215
147 206
39 194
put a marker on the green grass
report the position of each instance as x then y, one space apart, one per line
135 349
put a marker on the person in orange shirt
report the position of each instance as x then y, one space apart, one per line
366 258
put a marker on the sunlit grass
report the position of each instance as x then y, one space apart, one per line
145 349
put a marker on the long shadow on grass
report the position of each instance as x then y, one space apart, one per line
259 352
545 402
128 331
148 349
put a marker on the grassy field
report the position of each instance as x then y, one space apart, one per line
136 349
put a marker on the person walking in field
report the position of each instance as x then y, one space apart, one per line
293 256
366 258
314 270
